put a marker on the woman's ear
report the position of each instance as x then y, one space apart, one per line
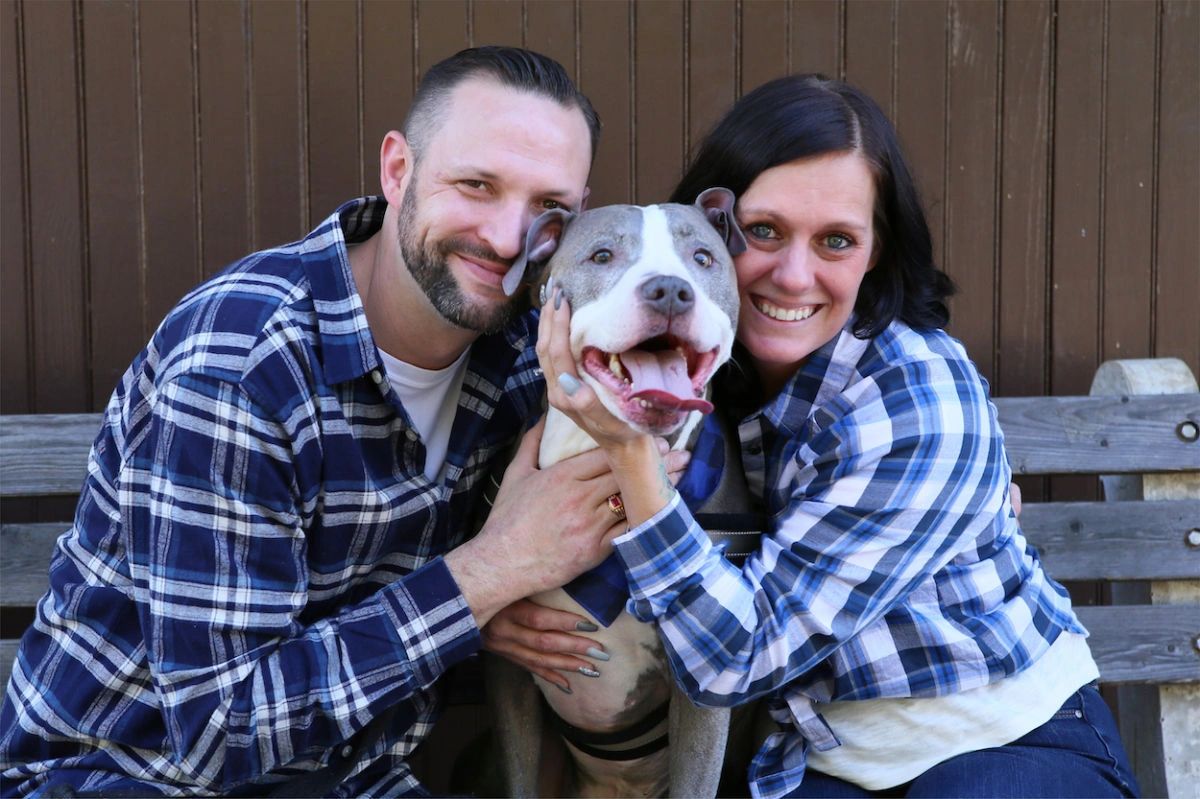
395 166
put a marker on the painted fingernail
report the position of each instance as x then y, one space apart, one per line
558 297
568 384
598 654
542 295
565 689
586 627
586 672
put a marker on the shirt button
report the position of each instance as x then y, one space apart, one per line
347 750
755 449
410 434
377 376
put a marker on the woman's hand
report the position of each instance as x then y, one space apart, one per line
566 391
543 641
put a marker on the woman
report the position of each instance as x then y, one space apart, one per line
905 638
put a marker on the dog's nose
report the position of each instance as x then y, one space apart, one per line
668 295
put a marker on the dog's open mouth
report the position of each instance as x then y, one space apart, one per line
656 381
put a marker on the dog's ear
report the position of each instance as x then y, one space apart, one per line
717 205
541 240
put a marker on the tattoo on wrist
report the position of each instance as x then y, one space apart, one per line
664 484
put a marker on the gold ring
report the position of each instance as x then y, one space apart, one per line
616 506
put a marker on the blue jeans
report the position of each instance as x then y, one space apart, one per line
1077 753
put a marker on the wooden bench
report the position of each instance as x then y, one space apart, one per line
1145 540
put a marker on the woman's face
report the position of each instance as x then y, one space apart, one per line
810 242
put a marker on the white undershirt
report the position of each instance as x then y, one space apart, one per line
888 742
430 396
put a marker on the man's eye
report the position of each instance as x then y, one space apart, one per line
837 241
476 185
703 257
602 256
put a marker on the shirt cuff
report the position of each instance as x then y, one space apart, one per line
664 549
435 626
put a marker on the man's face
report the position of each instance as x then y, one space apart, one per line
498 159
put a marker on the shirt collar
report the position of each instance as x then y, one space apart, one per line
825 374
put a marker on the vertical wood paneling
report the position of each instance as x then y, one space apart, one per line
764 45
1023 200
168 139
1177 243
920 110
1053 142
14 283
496 22
604 76
815 31
224 139
869 43
712 66
58 322
334 160
1128 180
1075 251
277 205
114 220
658 117
971 181
388 69
550 29
441 30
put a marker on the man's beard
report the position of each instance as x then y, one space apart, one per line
430 268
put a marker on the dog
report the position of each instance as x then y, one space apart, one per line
654 305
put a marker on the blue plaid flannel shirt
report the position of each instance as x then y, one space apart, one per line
892 567
254 572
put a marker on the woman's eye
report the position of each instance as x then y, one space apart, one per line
760 230
837 241
602 256
703 257
550 205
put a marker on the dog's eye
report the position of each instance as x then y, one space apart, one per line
602 256
703 257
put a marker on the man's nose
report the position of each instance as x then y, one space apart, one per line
504 230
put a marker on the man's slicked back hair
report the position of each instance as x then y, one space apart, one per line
513 67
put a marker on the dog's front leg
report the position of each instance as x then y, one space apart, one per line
517 718
698 736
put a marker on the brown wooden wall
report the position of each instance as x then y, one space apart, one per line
144 145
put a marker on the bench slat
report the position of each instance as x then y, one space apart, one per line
1099 435
45 454
1144 643
24 568
1114 540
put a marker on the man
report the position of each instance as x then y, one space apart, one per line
268 554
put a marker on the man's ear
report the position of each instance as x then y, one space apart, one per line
717 205
395 166
541 240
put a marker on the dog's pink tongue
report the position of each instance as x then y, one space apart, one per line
661 378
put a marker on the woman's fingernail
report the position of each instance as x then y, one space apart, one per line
598 654
558 295
586 672
564 689
568 384
586 627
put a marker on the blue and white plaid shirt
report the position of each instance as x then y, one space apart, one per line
892 565
254 570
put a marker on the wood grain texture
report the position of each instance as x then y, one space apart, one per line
659 129
25 567
1144 643
815 30
389 77
1115 540
1099 435
334 159
605 76
15 377
44 454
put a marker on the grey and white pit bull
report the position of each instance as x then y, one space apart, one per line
654 305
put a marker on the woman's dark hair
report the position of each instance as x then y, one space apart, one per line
803 116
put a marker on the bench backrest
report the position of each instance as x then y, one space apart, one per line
42 455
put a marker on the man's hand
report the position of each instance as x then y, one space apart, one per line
543 641
546 527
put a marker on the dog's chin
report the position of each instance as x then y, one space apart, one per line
640 414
